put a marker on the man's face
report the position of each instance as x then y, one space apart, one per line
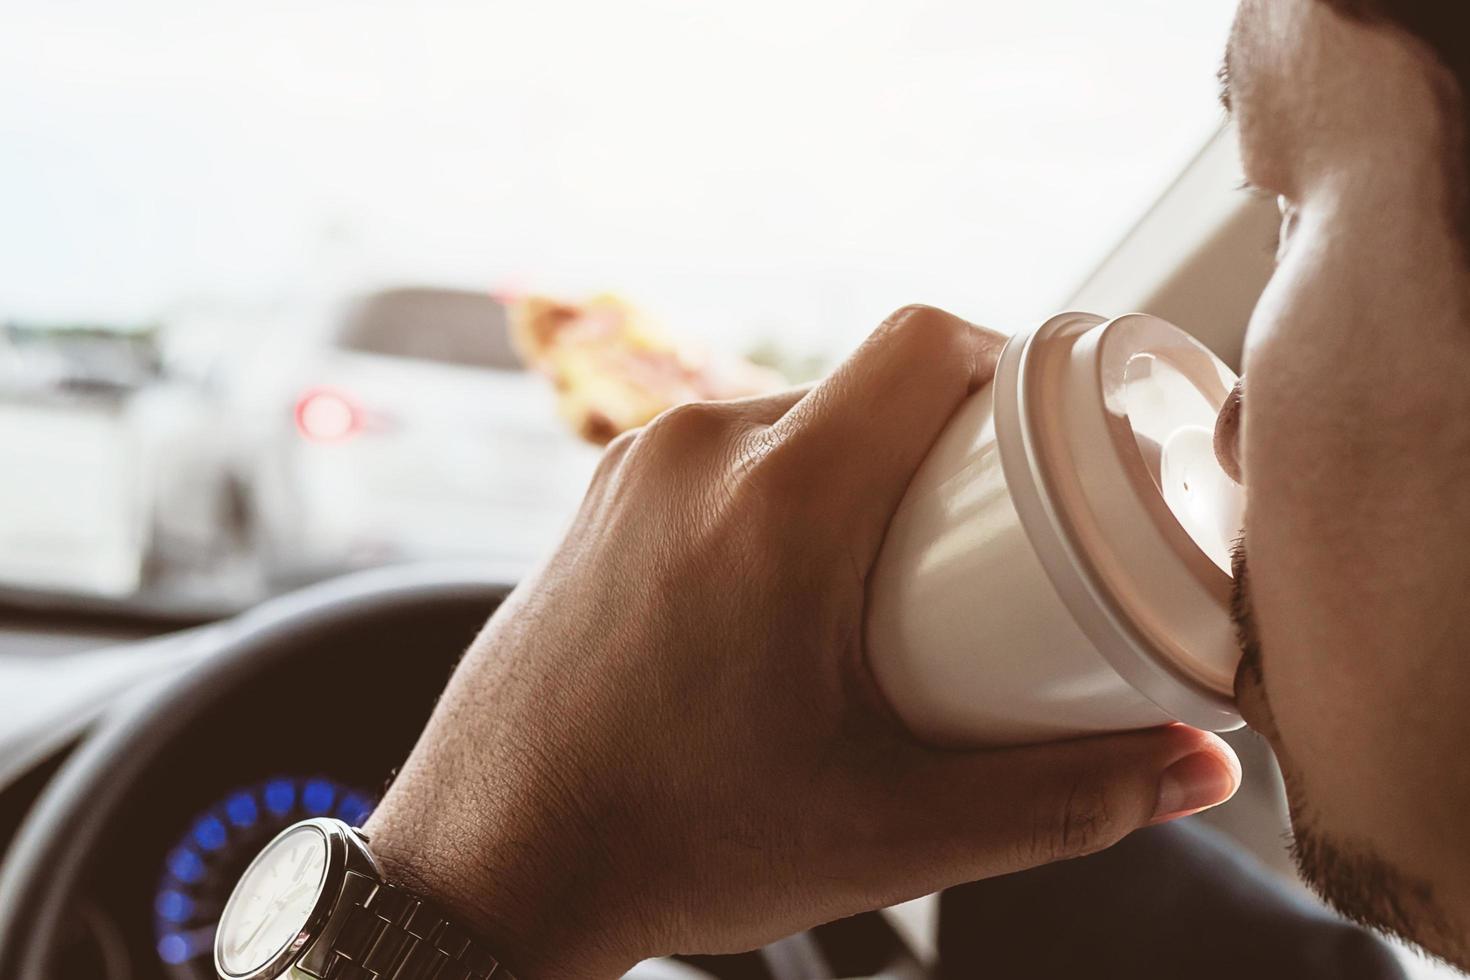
1355 443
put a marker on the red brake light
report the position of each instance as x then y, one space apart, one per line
325 415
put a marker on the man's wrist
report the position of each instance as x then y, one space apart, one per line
518 917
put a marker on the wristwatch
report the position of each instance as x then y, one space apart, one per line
313 904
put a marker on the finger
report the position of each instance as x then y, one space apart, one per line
967 816
861 434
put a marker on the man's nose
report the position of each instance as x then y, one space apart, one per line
1227 435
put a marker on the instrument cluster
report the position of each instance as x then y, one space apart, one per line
200 870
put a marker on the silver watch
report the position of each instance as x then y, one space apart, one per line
313 903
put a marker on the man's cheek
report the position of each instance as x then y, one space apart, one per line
1293 342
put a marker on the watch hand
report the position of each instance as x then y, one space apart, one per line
244 943
290 898
301 867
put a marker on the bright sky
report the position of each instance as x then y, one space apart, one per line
789 168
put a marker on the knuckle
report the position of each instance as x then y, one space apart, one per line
613 455
618 448
689 426
926 327
621 442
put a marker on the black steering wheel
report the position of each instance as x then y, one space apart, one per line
340 627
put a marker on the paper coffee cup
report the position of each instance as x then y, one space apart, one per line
1060 563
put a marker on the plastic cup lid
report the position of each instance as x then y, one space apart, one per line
1120 418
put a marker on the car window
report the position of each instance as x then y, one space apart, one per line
198 198
448 326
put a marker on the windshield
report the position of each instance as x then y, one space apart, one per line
261 266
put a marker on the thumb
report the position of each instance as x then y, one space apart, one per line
960 817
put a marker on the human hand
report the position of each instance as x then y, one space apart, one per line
668 741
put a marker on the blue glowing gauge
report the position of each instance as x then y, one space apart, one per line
202 867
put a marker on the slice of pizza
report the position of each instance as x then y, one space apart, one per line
614 369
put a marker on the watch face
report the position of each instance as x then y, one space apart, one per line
272 903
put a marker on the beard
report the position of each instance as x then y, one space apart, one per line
1350 876
1366 888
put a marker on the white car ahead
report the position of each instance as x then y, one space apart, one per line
404 427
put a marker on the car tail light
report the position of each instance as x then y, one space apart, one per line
327 415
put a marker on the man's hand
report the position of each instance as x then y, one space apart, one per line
668 739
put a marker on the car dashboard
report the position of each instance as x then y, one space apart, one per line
317 730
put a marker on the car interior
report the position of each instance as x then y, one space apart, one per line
205 744
130 805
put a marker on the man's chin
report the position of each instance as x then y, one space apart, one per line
1365 888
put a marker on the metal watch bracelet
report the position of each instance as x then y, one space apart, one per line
391 935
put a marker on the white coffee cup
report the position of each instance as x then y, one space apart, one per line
1060 563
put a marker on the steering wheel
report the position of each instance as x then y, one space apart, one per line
68 827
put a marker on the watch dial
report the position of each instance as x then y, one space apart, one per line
272 902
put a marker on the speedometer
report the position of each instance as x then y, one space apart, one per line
201 869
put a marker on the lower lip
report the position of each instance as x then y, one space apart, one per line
1250 698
